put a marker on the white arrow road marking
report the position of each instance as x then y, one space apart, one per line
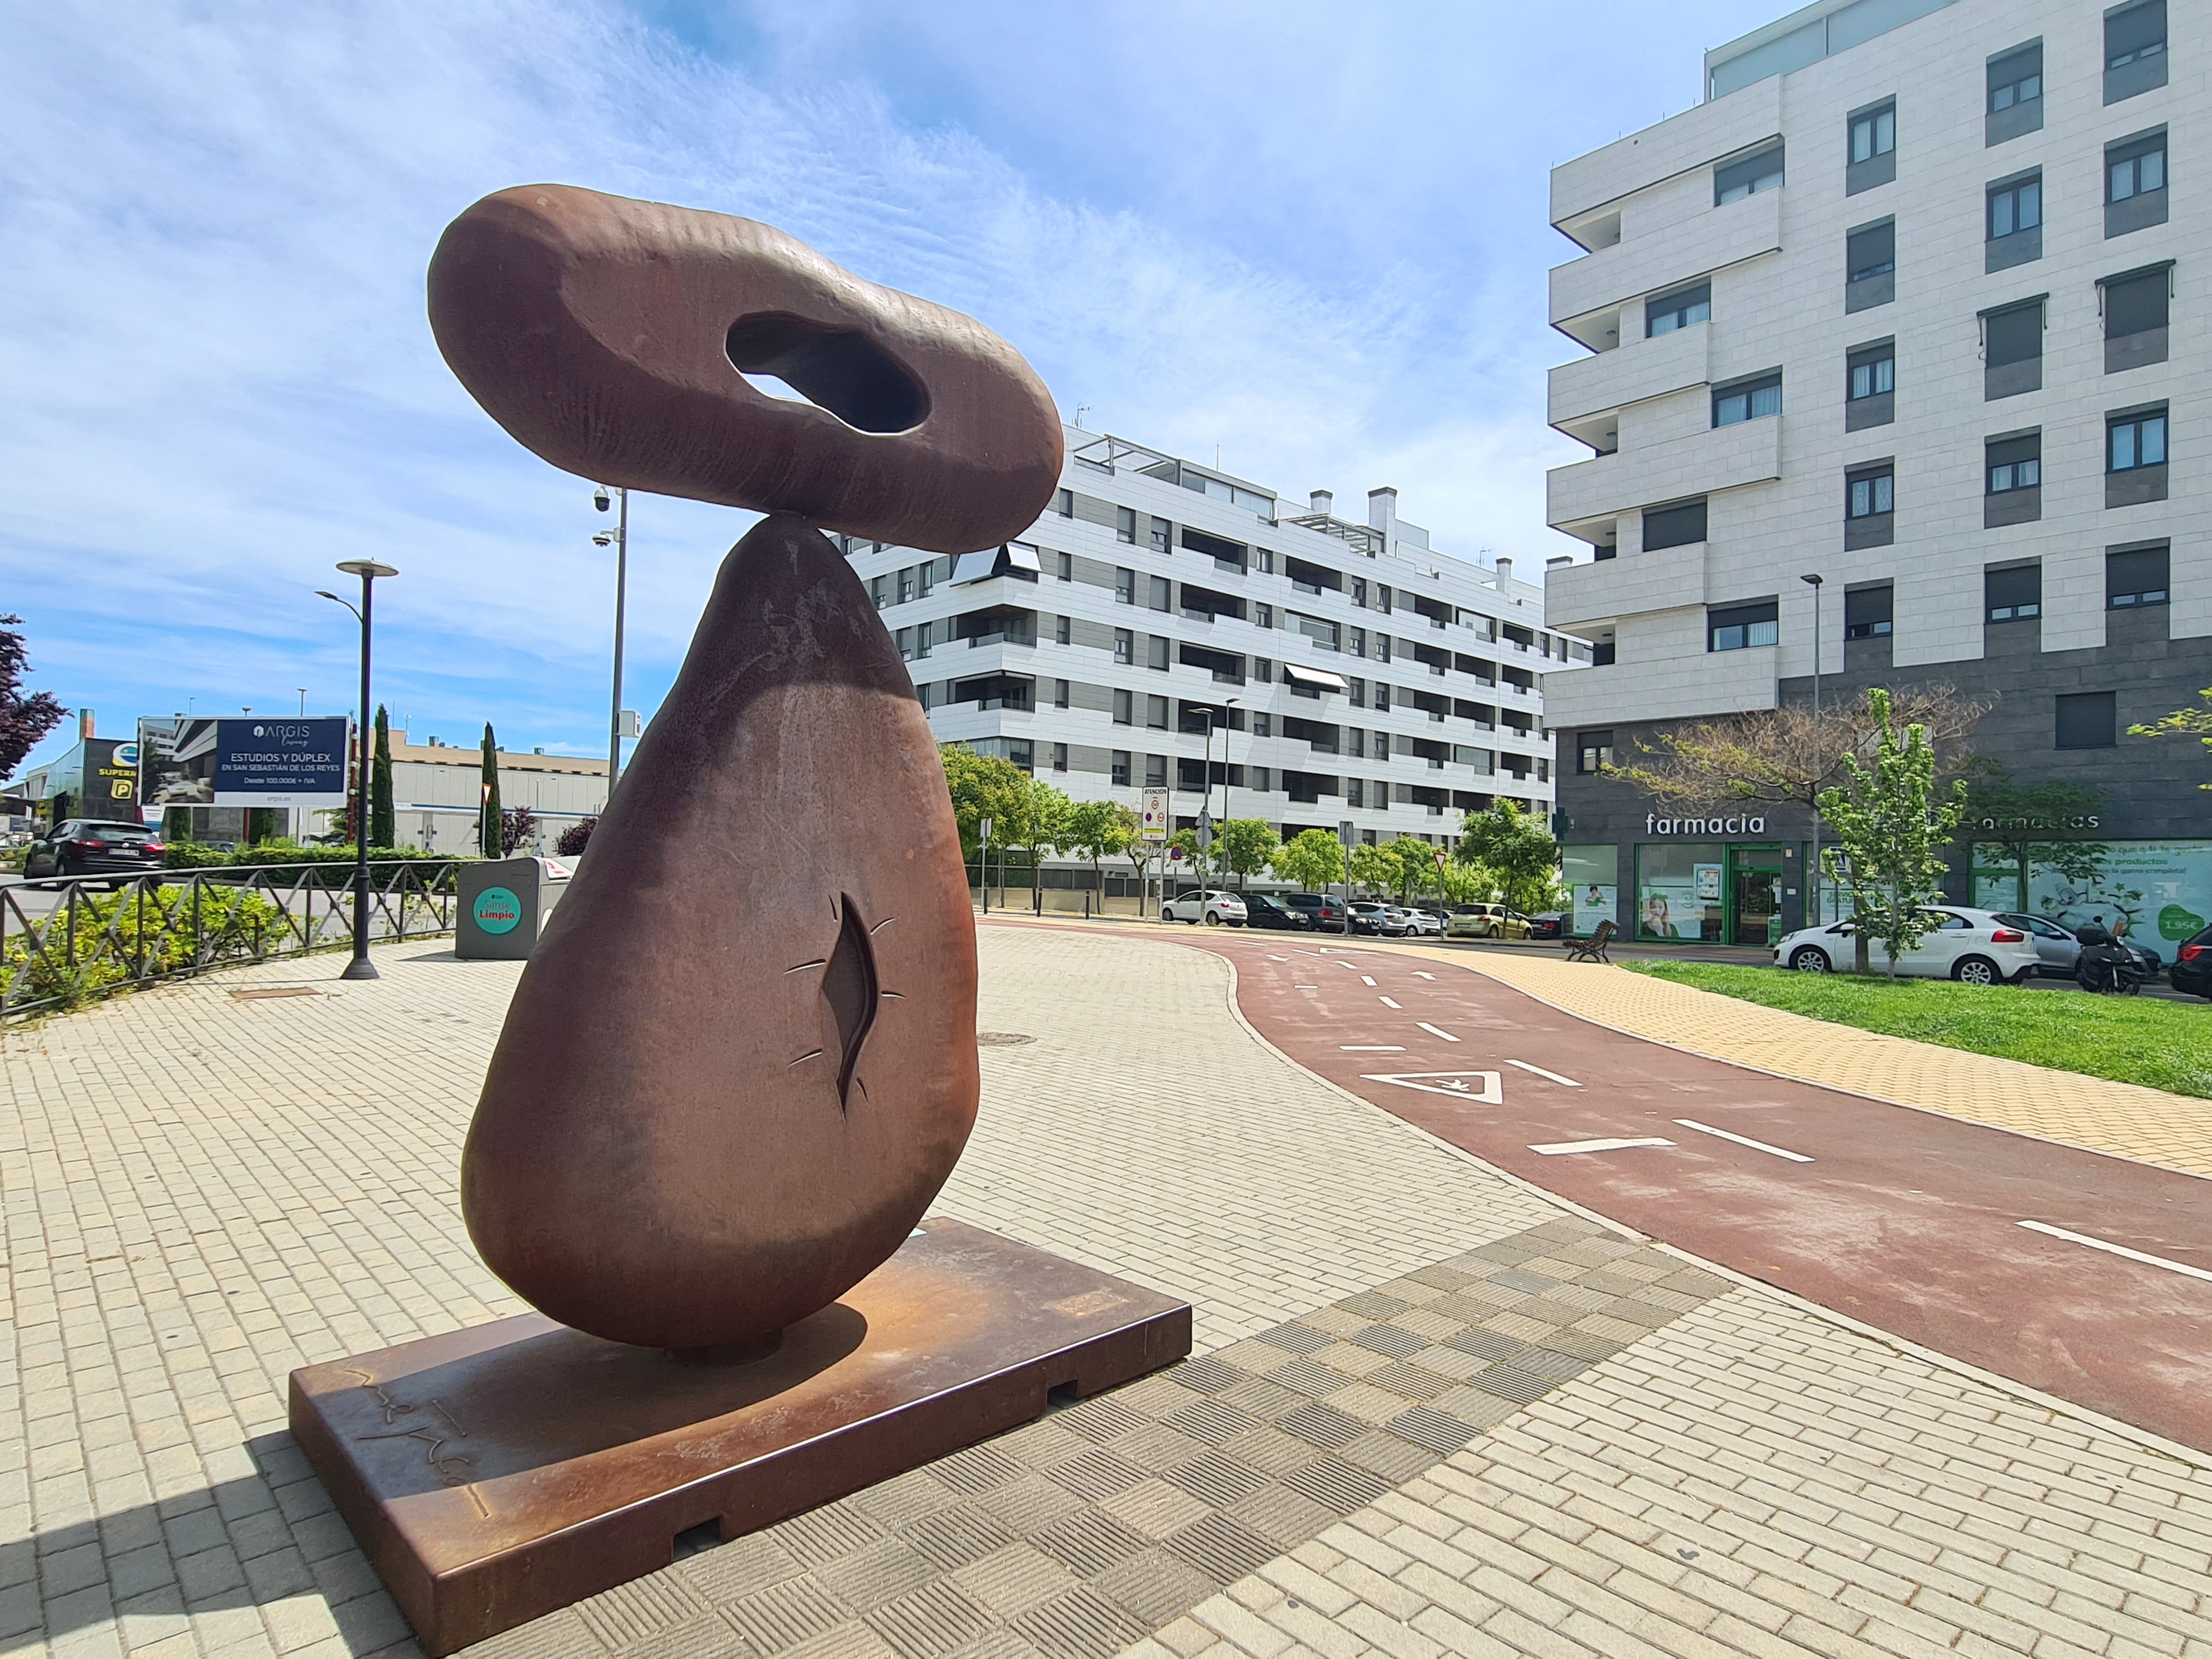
1435 1030
2117 1249
1560 1147
1743 1141
1453 1083
1567 1081
1390 1002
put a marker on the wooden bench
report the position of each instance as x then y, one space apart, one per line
1593 948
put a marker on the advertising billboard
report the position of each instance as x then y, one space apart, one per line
244 762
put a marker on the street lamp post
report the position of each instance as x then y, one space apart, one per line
368 570
1227 704
618 539
1813 875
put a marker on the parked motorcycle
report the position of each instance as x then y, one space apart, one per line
2108 970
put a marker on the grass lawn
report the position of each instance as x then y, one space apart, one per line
2161 1045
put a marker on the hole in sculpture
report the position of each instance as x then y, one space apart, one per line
849 992
846 374
695 1540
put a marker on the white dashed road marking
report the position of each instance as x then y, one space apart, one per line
2117 1249
1435 1030
1566 1081
1560 1147
1367 979
1390 1002
1371 1047
1743 1141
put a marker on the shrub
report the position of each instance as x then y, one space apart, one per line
235 926
576 838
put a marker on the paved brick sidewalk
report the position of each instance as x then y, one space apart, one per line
1434 1413
2084 1111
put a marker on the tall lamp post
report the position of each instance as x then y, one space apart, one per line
1812 876
1227 704
368 570
618 538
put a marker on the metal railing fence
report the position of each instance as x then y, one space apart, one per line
63 942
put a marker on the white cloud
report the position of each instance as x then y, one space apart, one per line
1315 242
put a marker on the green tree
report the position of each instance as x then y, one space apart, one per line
1890 820
488 816
1467 883
1244 845
1192 866
1416 862
383 818
983 787
1313 858
1098 829
1370 869
2181 723
1516 850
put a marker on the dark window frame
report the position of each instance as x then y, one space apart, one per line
2012 463
2132 152
1859 603
2006 588
1884 266
2139 576
1880 499
1676 515
1750 389
1588 743
1870 118
2021 84
2085 719
2150 48
2025 212
1882 354
1750 175
1677 304
1744 622
2143 425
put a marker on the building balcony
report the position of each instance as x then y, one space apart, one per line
1663 258
1638 369
1698 683
1722 457
1578 595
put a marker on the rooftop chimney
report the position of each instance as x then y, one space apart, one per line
1323 501
1382 509
84 722
1505 577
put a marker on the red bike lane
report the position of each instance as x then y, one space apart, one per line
1993 1248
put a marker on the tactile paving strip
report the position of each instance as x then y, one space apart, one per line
1104 1520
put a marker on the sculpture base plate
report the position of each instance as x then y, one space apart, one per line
497 1473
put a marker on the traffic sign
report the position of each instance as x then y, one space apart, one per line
1154 813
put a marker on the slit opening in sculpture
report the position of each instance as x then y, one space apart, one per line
850 990
846 374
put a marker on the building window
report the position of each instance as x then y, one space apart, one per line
923 692
2137 576
879 593
1382 647
1064 566
1869 501
1868 612
1156 713
906 585
1747 400
1125 586
1677 310
1740 627
1063 502
1870 385
2136 307
1156 771
1263 726
1355 793
2014 220
1060 757
1382 745
2012 350
1382 698
1263 616
2135 49
1060 694
1677 524
2016 78
1125 646
923 636
1125 709
1355 641
1120 773
2011 479
1870 266
1125 525
2086 720
1063 629
1593 751
1160 593
2134 167
1163 535
1602 654
2135 440
1755 172
1264 561
2012 464
2013 593
1874 134
1263 670
1157 652
924 577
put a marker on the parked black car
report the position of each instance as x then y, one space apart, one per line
1262 910
95 847
1327 913
1547 924
2191 973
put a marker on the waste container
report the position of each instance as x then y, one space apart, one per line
504 905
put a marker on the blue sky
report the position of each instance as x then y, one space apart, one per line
1312 234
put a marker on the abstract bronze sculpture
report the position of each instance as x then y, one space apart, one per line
741 1061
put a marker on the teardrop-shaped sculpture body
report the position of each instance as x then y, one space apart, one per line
742 1061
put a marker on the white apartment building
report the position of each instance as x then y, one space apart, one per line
1908 304
1167 624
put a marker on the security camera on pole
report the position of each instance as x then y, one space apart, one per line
368 570
618 539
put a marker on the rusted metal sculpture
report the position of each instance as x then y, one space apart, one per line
741 1061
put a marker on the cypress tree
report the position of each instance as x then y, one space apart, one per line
490 824
383 816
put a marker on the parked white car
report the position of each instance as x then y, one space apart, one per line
1978 947
1210 908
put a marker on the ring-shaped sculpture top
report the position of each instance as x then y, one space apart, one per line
607 335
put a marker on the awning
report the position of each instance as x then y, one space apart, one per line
996 562
1320 679
974 567
1020 556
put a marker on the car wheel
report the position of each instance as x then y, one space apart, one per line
1976 970
1213 918
1167 915
1811 959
